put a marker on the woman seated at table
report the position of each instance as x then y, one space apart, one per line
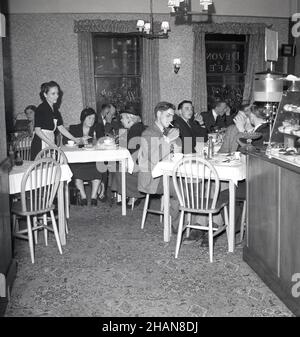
250 118
87 171
134 127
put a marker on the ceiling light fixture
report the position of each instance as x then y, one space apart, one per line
146 29
183 8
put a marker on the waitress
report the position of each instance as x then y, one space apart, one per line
47 119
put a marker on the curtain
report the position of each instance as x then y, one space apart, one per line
150 79
255 63
199 92
150 62
86 69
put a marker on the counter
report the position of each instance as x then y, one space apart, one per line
272 246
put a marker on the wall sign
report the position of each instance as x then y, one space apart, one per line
224 58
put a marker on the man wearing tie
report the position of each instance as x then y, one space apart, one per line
218 117
191 127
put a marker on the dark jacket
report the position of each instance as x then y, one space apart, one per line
189 132
133 137
211 124
77 131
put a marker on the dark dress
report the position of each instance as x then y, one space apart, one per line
86 171
189 132
133 145
212 124
44 118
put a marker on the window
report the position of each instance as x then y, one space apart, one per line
226 67
117 69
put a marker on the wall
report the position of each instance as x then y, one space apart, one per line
268 8
44 47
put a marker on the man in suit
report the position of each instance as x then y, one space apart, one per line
155 146
190 127
218 117
109 119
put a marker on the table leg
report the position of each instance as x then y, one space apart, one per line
231 229
166 196
123 164
61 213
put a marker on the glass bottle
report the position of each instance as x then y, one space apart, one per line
94 138
210 148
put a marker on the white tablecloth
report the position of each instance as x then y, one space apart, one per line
235 170
17 172
82 155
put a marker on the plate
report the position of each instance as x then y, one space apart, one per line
89 148
68 145
107 147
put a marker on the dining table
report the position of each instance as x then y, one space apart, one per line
100 155
15 178
230 170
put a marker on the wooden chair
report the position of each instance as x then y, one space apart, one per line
147 210
23 147
38 189
197 186
58 155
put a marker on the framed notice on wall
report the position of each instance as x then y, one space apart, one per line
271 45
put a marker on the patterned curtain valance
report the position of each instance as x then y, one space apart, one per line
107 26
231 28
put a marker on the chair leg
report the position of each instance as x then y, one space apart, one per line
145 211
188 230
132 205
55 231
243 221
210 237
226 220
35 232
179 234
161 208
30 238
45 229
67 206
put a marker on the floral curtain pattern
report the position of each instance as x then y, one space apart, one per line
150 61
86 69
255 58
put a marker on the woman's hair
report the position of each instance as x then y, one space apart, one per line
258 111
30 107
45 87
133 118
87 112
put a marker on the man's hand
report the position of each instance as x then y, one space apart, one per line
109 117
173 134
198 118
240 123
227 111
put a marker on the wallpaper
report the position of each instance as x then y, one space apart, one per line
43 47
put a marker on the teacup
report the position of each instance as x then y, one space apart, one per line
71 142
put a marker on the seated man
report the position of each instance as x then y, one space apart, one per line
109 119
155 146
218 117
190 127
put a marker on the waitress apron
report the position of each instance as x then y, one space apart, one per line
49 134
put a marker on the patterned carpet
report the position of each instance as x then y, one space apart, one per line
110 267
